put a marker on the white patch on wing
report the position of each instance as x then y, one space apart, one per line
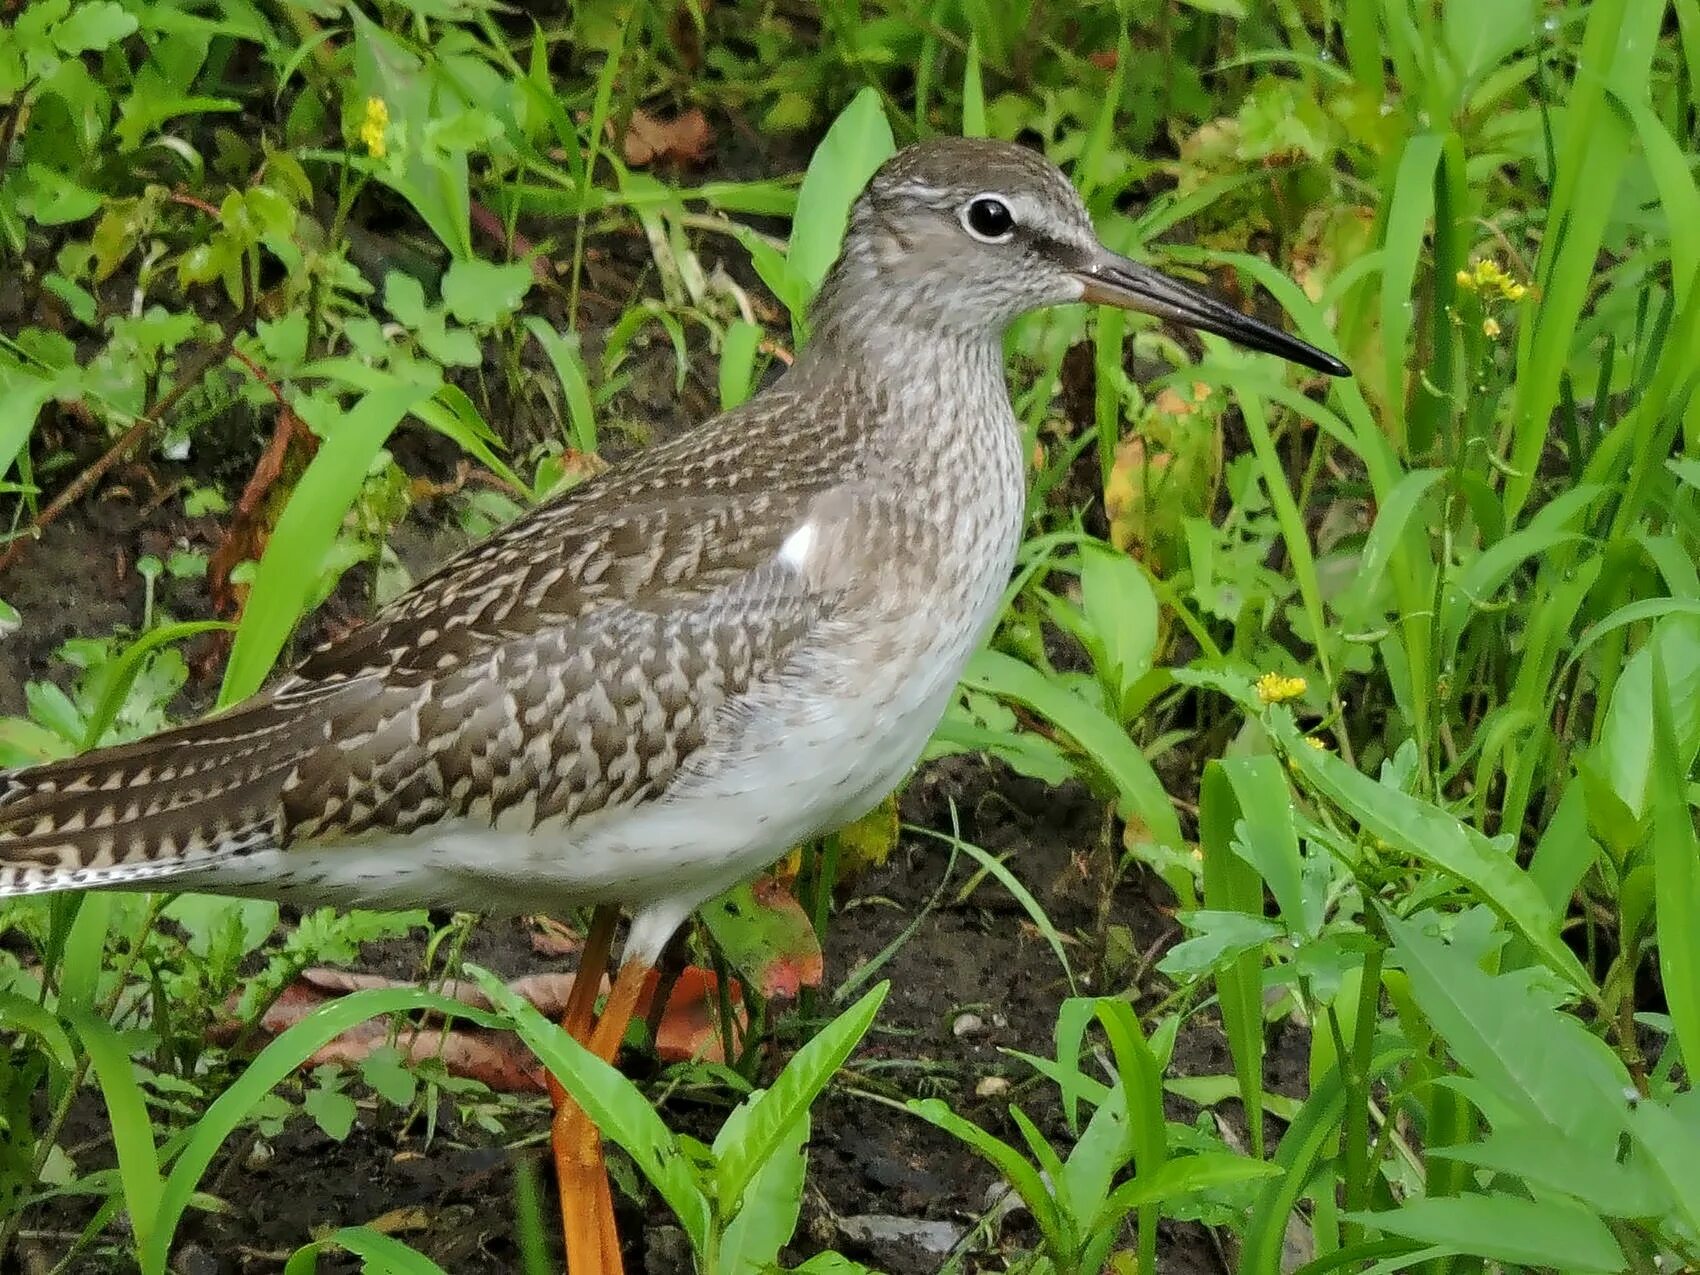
795 551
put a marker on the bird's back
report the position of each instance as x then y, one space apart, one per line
572 664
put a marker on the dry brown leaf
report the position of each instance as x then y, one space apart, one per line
684 139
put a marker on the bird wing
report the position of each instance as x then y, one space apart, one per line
570 665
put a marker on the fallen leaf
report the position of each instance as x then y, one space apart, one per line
868 842
550 938
402 1220
684 139
688 1028
767 937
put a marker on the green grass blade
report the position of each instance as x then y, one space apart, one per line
1430 835
617 1106
567 359
1103 740
132 1129
1676 874
771 1115
856 144
1231 884
304 534
1405 238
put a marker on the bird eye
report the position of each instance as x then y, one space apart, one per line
989 219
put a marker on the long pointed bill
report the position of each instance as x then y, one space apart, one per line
1114 280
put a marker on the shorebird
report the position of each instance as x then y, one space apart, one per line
652 686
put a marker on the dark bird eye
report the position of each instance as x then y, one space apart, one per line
989 219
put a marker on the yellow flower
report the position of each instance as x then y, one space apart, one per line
1490 328
1278 688
1316 743
374 127
1489 277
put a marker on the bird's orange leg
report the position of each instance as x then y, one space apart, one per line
581 1178
587 1206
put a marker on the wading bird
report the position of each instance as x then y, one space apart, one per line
652 686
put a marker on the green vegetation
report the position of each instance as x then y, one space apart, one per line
1393 684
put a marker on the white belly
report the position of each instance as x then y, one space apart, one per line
784 775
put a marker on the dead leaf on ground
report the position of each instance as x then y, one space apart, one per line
683 139
688 1029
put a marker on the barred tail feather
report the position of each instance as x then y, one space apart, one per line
145 812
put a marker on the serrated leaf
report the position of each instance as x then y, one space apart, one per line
477 291
93 26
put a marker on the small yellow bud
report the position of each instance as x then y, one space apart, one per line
1490 328
1516 292
1316 743
1466 280
375 126
1278 688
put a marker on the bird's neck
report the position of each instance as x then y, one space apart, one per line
922 382
928 405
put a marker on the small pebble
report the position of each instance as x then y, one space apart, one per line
991 1086
966 1025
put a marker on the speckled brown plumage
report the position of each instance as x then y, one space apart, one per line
647 688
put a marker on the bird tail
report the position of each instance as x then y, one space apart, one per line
158 808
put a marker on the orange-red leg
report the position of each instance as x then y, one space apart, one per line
581 1178
586 1199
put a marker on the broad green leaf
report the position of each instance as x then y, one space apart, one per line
772 1202
1546 1159
1668 1133
1625 750
22 396
1546 1232
289 569
858 142
1104 741
127 1117
1121 611
1534 1058
615 1105
93 25
481 292
738 351
1216 937
773 1114
1424 832
1480 36
1104 1147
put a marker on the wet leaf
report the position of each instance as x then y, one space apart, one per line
767 937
